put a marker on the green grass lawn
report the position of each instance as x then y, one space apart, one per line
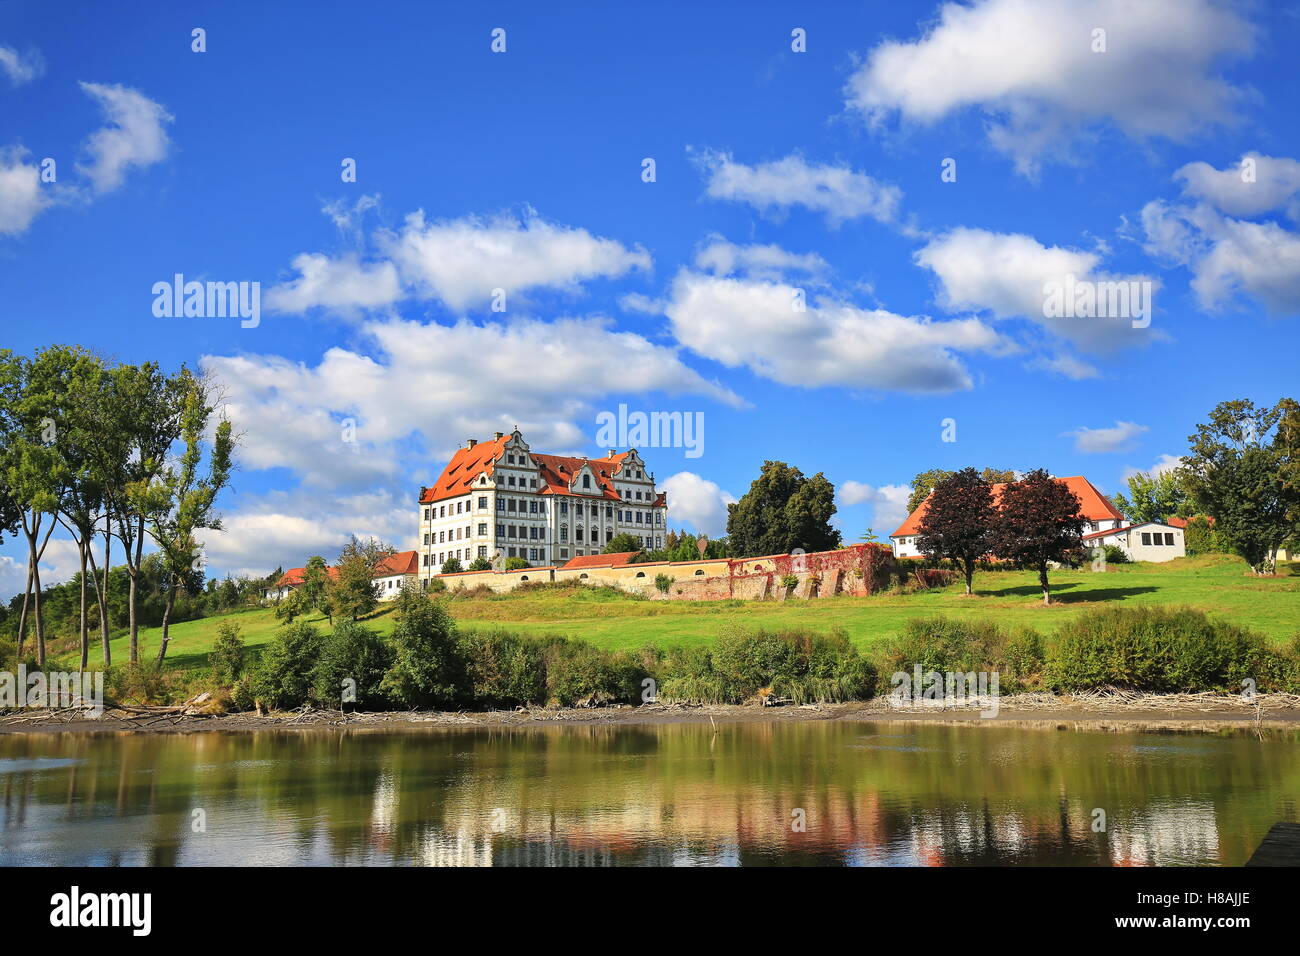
1214 584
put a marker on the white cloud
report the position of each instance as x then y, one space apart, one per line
21 197
764 261
428 387
753 323
889 503
698 502
1227 257
1030 68
20 67
1256 185
286 528
839 192
1164 464
1006 273
1096 441
58 564
135 135
1067 366
342 284
457 261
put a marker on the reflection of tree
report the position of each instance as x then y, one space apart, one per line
602 795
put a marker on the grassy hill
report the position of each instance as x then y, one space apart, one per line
1215 584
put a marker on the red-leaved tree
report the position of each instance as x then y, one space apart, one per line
959 521
1038 522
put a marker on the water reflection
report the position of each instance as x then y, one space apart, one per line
675 795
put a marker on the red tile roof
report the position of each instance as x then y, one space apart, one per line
403 562
464 468
1178 522
296 576
557 473
1093 505
617 560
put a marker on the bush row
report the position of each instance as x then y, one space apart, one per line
429 663
1155 650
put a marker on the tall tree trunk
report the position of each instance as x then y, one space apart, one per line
34 553
103 593
83 624
101 599
167 613
22 618
40 622
134 568
970 574
1042 579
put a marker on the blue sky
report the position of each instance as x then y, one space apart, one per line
775 170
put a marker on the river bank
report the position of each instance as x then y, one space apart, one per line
1208 713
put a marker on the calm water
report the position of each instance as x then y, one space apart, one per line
871 794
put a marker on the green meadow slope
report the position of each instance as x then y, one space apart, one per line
1214 584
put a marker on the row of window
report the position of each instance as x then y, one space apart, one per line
455 534
1147 537
532 554
533 506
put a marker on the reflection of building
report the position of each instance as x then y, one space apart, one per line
1163 834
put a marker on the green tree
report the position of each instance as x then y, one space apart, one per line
180 500
623 542
1152 497
516 564
314 587
452 566
31 459
782 511
1038 523
923 484
227 656
480 564
353 592
959 520
353 663
143 420
428 669
1241 470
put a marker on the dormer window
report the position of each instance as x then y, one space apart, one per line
586 481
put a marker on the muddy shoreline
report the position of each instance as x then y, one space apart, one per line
1192 713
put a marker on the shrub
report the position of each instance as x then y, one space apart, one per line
140 683
743 664
227 655
284 673
789 581
504 670
1163 650
452 566
1115 554
352 652
437 586
579 673
517 564
480 564
947 645
663 582
428 669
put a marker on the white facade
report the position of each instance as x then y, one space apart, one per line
1152 541
541 508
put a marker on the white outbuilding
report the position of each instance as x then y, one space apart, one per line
1149 541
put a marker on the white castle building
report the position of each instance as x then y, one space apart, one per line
499 496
